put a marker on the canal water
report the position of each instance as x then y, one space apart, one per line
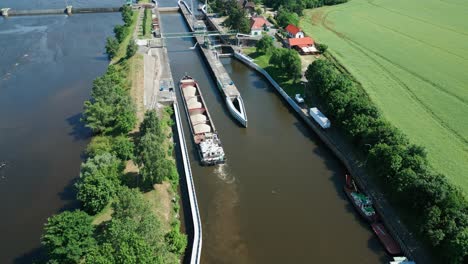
47 64
279 197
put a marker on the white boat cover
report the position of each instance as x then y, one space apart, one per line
189 91
198 118
193 103
201 128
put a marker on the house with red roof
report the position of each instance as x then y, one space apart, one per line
294 32
303 45
258 24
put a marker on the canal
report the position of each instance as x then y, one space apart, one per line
279 197
47 65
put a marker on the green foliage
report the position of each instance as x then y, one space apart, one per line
111 110
265 44
112 47
99 145
297 6
439 208
427 89
99 179
127 15
286 17
131 49
321 47
147 22
287 61
121 31
238 20
176 241
68 236
133 235
123 147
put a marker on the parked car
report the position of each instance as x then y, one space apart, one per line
299 98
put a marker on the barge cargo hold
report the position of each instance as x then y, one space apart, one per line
201 125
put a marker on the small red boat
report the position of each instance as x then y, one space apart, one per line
391 246
360 201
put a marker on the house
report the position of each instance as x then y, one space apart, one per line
294 32
304 45
258 25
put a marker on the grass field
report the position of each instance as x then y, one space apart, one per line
411 57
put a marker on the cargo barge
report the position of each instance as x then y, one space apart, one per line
360 201
201 125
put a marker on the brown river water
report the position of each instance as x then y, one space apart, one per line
278 199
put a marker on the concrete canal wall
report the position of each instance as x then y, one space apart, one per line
408 245
197 228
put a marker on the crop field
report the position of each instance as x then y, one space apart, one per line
411 57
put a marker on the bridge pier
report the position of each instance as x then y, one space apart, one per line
69 10
4 11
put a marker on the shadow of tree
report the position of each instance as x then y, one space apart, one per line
79 130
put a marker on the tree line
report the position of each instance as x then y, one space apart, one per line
133 234
438 209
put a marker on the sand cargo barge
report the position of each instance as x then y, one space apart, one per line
201 125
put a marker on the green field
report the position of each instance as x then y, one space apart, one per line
411 57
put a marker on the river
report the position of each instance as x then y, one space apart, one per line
279 197
47 64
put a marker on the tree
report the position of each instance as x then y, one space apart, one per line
120 31
99 179
265 44
292 66
321 48
68 236
127 14
286 17
99 145
131 48
112 47
153 161
238 20
151 124
123 147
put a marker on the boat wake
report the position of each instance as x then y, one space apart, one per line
223 174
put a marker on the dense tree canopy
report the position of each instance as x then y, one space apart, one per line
287 61
111 110
99 179
68 236
439 209
265 44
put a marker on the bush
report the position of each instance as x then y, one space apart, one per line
131 49
322 48
68 236
112 47
176 241
100 176
265 44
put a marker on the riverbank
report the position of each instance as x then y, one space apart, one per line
129 181
353 162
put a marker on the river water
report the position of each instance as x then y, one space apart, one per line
279 197
47 64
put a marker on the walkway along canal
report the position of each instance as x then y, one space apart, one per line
279 198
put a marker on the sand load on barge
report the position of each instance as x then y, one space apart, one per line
201 125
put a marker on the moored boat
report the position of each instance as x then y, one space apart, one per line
360 201
201 125
237 109
390 245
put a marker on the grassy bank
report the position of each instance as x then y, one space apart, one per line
410 57
290 86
